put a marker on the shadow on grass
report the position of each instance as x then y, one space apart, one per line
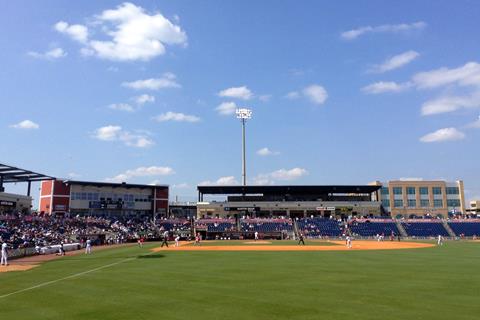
151 256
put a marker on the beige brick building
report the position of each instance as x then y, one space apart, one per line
418 197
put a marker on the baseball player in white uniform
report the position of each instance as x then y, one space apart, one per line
177 239
4 258
256 235
88 247
440 240
349 242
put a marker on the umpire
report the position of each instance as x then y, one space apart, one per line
165 239
301 239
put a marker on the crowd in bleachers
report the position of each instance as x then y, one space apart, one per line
266 225
173 224
33 229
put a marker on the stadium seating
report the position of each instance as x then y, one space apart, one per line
174 224
424 229
467 228
372 228
315 227
266 225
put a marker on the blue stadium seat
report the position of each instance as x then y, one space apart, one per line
315 227
468 229
424 229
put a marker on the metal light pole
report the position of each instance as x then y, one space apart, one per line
244 114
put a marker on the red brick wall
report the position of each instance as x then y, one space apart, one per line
162 192
44 204
61 188
162 204
46 188
60 204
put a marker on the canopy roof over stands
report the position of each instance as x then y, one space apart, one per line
115 185
9 174
306 189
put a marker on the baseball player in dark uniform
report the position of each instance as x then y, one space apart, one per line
301 239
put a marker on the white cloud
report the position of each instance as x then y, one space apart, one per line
450 103
475 124
222 181
316 93
266 152
385 86
122 107
168 80
52 54
237 92
181 186
292 174
152 171
292 95
179 117
441 135
395 62
26 125
279 175
126 33
466 75
116 133
386 28
144 98
74 175
265 97
77 32
226 108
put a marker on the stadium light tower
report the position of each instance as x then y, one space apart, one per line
244 114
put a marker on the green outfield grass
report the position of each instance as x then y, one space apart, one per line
432 283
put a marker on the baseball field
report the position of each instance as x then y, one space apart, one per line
221 281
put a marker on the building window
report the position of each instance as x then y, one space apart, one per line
397 190
423 190
438 203
386 202
412 203
452 190
437 190
410 190
385 191
453 203
424 203
398 203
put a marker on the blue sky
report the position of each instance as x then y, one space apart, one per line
342 92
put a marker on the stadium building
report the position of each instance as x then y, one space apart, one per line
289 201
419 198
474 207
102 198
